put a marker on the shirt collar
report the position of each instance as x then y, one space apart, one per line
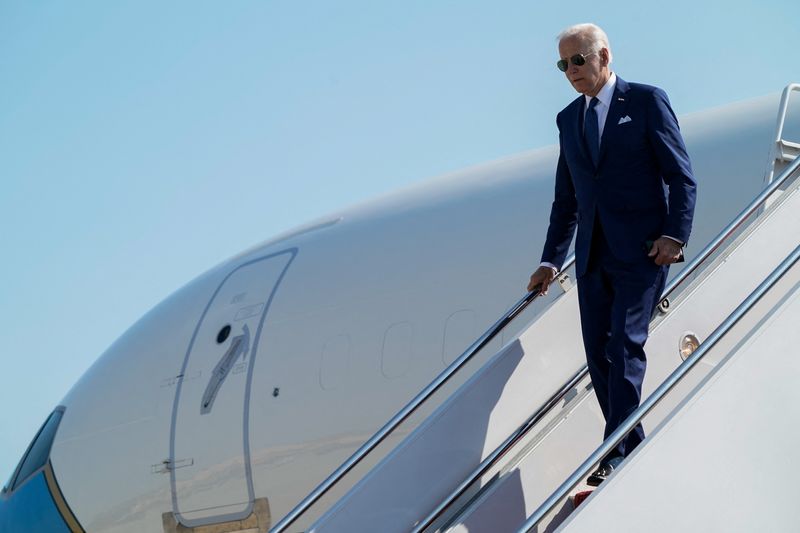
605 93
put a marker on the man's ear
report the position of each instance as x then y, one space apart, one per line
604 56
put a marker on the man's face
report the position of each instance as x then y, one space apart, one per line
592 75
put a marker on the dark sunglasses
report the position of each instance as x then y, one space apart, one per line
578 60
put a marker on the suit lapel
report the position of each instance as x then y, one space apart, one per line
619 103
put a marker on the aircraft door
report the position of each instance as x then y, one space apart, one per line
210 470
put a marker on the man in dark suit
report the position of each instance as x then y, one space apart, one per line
624 178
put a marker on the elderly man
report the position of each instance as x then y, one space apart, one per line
624 178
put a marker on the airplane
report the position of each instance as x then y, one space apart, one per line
232 399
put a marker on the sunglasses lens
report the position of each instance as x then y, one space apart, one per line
578 60
562 65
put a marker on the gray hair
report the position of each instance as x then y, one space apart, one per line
589 33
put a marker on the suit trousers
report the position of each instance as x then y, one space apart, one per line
617 300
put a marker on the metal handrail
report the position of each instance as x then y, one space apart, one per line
652 400
410 408
501 450
730 228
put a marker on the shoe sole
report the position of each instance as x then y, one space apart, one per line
594 481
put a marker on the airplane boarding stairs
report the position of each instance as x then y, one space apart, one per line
483 462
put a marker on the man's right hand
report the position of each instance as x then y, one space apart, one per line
543 276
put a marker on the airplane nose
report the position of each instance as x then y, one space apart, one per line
32 501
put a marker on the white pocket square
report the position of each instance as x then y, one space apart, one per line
624 119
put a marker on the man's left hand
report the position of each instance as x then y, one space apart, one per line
665 251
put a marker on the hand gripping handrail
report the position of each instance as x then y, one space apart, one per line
523 430
652 400
409 409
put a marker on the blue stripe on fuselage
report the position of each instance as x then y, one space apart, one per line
31 509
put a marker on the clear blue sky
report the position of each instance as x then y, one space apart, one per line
143 142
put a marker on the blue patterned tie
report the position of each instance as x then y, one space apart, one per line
591 133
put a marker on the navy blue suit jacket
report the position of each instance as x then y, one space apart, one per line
643 185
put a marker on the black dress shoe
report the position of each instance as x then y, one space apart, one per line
603 471
599 475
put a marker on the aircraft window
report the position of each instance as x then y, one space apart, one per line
39 450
